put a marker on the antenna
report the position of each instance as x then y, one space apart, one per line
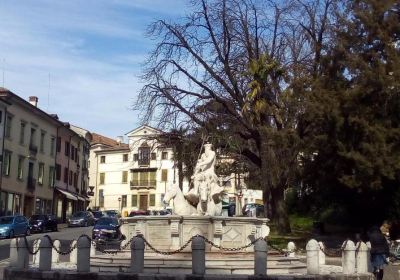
48 95
4 66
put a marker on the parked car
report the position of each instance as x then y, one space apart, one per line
41 223
107 229
81 219
139 213
97 215
11 226
253 210
113 214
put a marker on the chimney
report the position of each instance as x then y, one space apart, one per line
120 139
33 100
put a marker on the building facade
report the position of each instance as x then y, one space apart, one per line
132 176
28 157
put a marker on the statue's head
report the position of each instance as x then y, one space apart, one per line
170 193
207 146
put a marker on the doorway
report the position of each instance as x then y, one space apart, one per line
28 206
143 202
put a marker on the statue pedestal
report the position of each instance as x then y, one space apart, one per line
171 232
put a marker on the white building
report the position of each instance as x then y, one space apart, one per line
131 176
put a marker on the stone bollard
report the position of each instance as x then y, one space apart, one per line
362 258
291 248
260 257
13 253
22 253
370 268
198 256
55 257
83 264
349 258
93 249
125 232
137 255
45 254
36 245
312 249
73 256
321 257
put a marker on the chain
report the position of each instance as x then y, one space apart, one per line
277 248
69 251
166 253
31 251
229 249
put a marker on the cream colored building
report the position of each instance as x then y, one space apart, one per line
29 157
132 176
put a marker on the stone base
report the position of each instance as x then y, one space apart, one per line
172 232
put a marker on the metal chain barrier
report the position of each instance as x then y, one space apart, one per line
229 249
69 251
166 253
31 251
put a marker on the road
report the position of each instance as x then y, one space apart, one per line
65 235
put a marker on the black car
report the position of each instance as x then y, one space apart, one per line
113 214
41 223
97 215
107 229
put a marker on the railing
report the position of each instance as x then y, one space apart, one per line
144 162
143 184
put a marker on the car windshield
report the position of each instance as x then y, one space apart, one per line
6 220
38 217
97 214
107 221
112 213
79 215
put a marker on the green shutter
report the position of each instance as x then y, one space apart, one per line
152 200
153 178
135 179
134 200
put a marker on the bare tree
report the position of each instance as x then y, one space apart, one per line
236 66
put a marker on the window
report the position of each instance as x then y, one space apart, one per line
153 156
51 176
102 178
70 177
22 133
41 147
124 176
20 171
72 152
144 156
134 200
58 144
52 143
125 157
66 151
101 198
65 175
103 159
76 155
123 202
164 155
58 172
164 175
143 178
135 157
41 174
7 163
32 141
75 180
152 200
8 126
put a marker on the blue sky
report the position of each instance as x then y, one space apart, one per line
92 50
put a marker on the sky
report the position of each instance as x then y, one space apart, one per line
82 59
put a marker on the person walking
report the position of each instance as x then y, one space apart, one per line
379 251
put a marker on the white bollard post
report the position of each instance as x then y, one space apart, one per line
13 253
73 256
349 258
125 232
321 257
22 254
370 268
312 249
362 258
83 264
45 254
92 250
36 245
137 255
198 256
260 257
291 248
55 257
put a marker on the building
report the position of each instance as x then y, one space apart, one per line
70 189
28 156
131 176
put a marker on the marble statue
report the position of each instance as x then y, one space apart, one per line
181 205
206 192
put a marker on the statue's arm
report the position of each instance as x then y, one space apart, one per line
207 160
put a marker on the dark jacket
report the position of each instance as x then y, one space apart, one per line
379 244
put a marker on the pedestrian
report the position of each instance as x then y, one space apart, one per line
379 251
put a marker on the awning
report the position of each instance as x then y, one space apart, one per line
67 194
81 198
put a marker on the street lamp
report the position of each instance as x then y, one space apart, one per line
119 204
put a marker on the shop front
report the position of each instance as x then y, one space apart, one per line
10 203
65 204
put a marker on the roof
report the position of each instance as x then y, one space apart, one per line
120 148
100 139
133 131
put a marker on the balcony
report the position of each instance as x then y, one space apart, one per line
142 184
144 161
31 185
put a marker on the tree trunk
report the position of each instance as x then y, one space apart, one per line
280 218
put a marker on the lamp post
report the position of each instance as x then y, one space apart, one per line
119 204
